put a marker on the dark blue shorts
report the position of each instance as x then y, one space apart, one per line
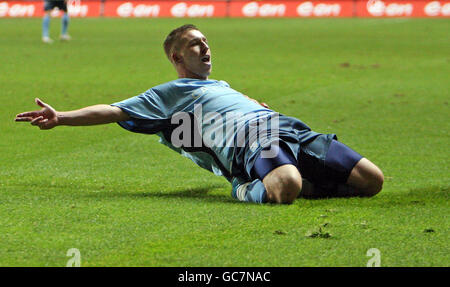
323 161
52 4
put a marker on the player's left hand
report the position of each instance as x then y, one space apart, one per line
265 105
255 101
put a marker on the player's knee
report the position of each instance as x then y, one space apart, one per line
366 178
290 187
375 182
283 184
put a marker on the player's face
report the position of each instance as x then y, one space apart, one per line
195 55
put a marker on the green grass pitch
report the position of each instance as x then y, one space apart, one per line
123 199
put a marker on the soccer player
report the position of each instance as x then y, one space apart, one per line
266 156
49 5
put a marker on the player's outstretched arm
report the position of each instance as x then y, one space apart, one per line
48 117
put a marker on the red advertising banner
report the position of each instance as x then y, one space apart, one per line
75 8
21 9
233 8
291 8
176 9
388 8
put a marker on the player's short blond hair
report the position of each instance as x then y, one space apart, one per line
173 39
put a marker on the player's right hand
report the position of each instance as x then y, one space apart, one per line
45 119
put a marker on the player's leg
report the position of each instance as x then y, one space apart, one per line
277 179
64 21
335 170
48 6
283 184
65 24
355 175
279 174
366 178
249 191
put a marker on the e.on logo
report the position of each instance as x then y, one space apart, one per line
182 10
308 9
435 8
379 8
142 10
16 10
76 9
253 9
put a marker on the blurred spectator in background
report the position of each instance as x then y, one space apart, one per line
49 5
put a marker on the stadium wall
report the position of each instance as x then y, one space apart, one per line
233 8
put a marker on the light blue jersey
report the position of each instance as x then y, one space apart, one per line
225 119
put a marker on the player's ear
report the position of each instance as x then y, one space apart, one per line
176 58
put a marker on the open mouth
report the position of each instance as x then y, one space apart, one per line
206 58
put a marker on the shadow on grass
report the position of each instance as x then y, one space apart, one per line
419 196
200 193
101 191
413 197
441 190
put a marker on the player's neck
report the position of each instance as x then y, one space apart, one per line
188 74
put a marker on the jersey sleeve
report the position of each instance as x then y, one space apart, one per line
225 84
147 113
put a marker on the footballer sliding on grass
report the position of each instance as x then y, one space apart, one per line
266 156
